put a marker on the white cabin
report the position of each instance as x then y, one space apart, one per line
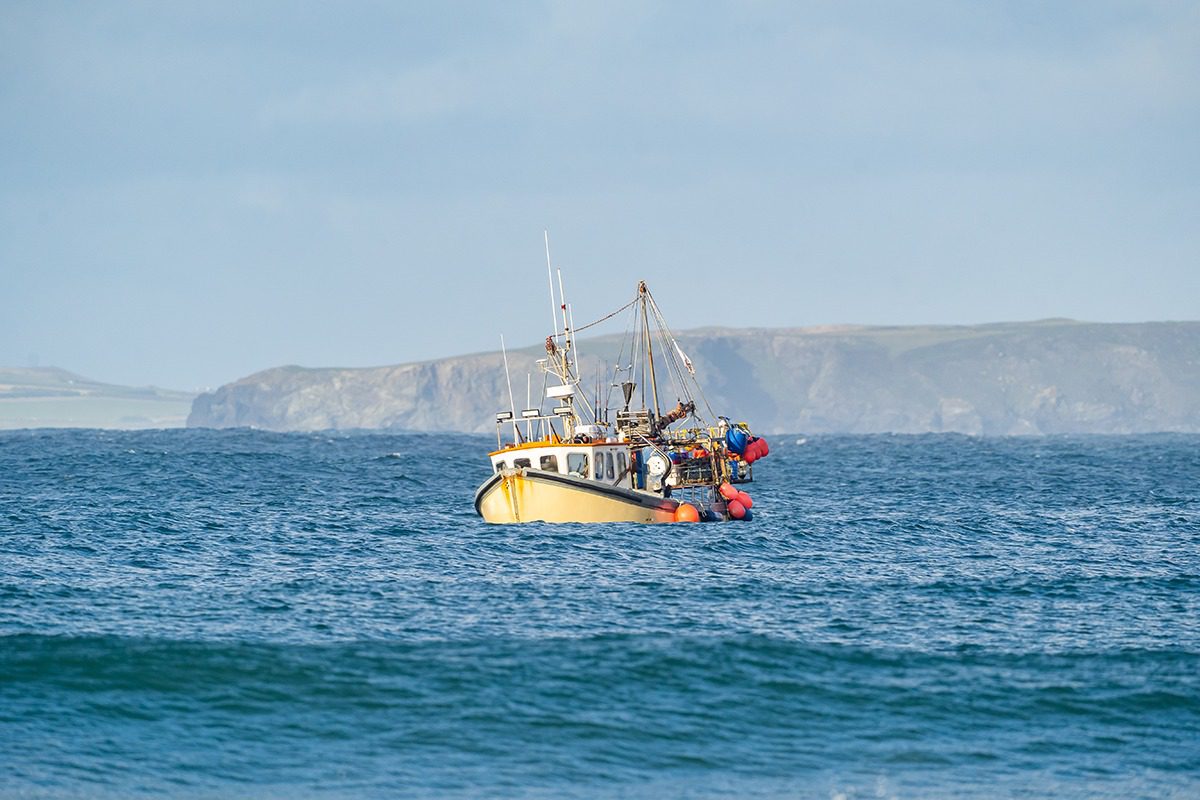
605 462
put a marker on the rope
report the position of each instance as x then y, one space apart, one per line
603 319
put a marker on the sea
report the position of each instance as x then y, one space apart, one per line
213 614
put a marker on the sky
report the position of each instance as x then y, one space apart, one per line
192 192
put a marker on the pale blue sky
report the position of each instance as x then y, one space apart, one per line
190 194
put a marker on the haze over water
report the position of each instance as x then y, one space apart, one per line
197 613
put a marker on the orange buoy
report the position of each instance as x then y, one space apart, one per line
736 509
727 491
686 512
745 500
766 451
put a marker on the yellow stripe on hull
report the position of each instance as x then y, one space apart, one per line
527 495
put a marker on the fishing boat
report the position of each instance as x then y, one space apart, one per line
631 462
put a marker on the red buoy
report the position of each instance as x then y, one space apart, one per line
686 512
745 500
736 509
766 451
727 491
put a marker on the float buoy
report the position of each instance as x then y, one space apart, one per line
745 500
736 509
686 512
727 491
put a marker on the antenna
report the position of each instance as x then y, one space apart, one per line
511 403
550 280
570 312
566 366
568 337
563 304
574 345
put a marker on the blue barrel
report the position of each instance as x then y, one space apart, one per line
737 439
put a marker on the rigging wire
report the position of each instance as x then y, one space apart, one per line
675 352
682 379
617 369
604 318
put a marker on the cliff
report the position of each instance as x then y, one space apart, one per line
1052 376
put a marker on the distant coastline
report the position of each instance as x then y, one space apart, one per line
49 397
1022 378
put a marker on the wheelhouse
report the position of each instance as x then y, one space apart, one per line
606 462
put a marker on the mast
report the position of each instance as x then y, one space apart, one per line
649 346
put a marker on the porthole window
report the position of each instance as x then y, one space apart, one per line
621 466
599 466
611 473
500 465
549 463
520 463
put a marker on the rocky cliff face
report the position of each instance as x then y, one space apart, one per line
1054 376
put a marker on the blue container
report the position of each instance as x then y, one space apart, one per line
737 439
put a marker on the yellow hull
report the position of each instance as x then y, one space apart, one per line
529 495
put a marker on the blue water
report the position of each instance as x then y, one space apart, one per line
247 614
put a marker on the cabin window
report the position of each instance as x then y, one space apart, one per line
611 474
500 465
518 463
577 464
549 463
621 467
599 466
